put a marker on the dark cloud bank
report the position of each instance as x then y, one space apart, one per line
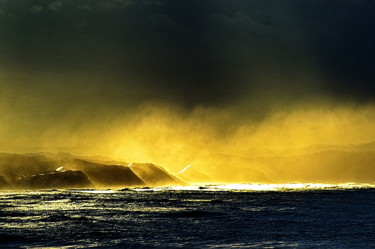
191 52
87 60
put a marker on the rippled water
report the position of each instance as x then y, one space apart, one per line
234 216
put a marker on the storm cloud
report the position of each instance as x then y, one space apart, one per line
195 52
79 67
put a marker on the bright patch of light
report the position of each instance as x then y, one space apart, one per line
109 191
261 187
286 187
183 170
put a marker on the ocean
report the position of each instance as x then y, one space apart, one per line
227 216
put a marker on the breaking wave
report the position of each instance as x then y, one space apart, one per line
263 187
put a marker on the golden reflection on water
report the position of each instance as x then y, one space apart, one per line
262 187
44 204
56 204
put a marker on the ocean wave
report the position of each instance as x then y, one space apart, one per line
261 187
194 214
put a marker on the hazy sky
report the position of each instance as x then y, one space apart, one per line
79 64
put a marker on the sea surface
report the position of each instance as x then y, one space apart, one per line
226 216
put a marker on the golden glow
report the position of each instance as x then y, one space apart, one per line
223 146
159 135
183 170
264 187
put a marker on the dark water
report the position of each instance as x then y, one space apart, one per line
200 218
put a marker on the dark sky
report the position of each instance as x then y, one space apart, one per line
57 57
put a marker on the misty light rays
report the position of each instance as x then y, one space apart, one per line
240 90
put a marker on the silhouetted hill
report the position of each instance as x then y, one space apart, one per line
344 163
63 170
61 180
154 175
192 175
322 166
16 165
108 175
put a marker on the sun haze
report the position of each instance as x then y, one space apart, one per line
251 91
